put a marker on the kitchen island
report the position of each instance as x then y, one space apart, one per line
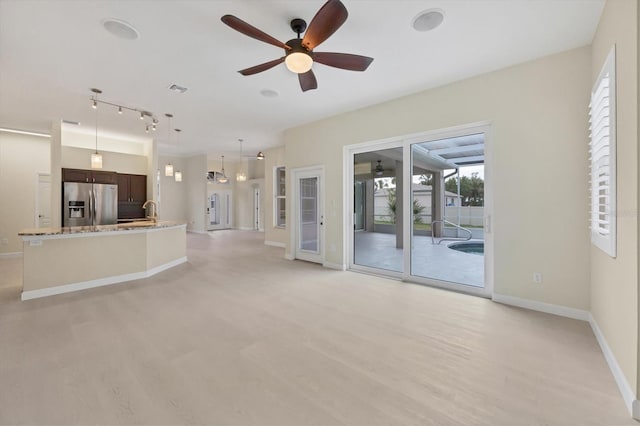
62 260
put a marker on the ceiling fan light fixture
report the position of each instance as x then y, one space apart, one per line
298 62
379 169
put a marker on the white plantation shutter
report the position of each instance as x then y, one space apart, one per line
602 150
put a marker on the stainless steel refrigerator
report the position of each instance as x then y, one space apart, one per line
86 204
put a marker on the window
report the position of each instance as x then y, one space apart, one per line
602 149
279 186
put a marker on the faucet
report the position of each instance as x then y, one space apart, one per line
154 215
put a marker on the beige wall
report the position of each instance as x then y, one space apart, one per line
196 187
273 235
538 139
614 282
22 157
80 158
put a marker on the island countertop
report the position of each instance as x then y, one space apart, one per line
127 226
60 260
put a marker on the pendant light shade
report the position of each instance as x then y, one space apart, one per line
96 158
96 161
241 176
260 156
223 178
168 169
178 174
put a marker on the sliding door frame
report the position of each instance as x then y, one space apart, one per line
406 142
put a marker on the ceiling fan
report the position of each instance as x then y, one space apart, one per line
299 54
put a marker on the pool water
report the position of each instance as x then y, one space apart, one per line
469 247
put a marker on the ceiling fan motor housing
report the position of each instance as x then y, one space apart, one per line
296 46
298 26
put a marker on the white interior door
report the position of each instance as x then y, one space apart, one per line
257 222
220 210
43 201
309 215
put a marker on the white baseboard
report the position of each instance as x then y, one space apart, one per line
275 244
68 288
10 255
192 231
289 256
633 405
548 308
336 266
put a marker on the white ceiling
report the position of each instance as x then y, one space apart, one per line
52 52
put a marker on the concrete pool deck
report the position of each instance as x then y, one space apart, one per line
435 261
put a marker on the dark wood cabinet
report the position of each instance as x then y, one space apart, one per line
132 188
90 176
132 193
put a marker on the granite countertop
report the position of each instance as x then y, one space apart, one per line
128 226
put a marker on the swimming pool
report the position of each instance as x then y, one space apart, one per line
472 247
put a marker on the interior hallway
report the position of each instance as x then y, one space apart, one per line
238 335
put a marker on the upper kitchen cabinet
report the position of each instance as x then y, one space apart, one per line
92 176
132 188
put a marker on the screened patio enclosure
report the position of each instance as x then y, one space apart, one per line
446 232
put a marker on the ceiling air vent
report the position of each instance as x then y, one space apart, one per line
176 88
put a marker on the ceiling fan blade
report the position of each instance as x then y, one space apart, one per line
329 18
346 61
262 67
251 31
308 81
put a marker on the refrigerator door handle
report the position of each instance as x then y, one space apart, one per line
92 206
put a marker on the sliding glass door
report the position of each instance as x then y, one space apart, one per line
419 210
377 227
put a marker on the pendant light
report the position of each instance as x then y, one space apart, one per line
223 178
241 176
96 158
260 156
168 168
178 173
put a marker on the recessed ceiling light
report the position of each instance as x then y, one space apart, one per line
268 93
428 20
120 28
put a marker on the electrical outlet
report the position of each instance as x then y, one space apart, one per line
537 277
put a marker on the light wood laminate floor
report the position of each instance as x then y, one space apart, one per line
238 335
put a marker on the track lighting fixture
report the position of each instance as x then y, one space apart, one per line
120 108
